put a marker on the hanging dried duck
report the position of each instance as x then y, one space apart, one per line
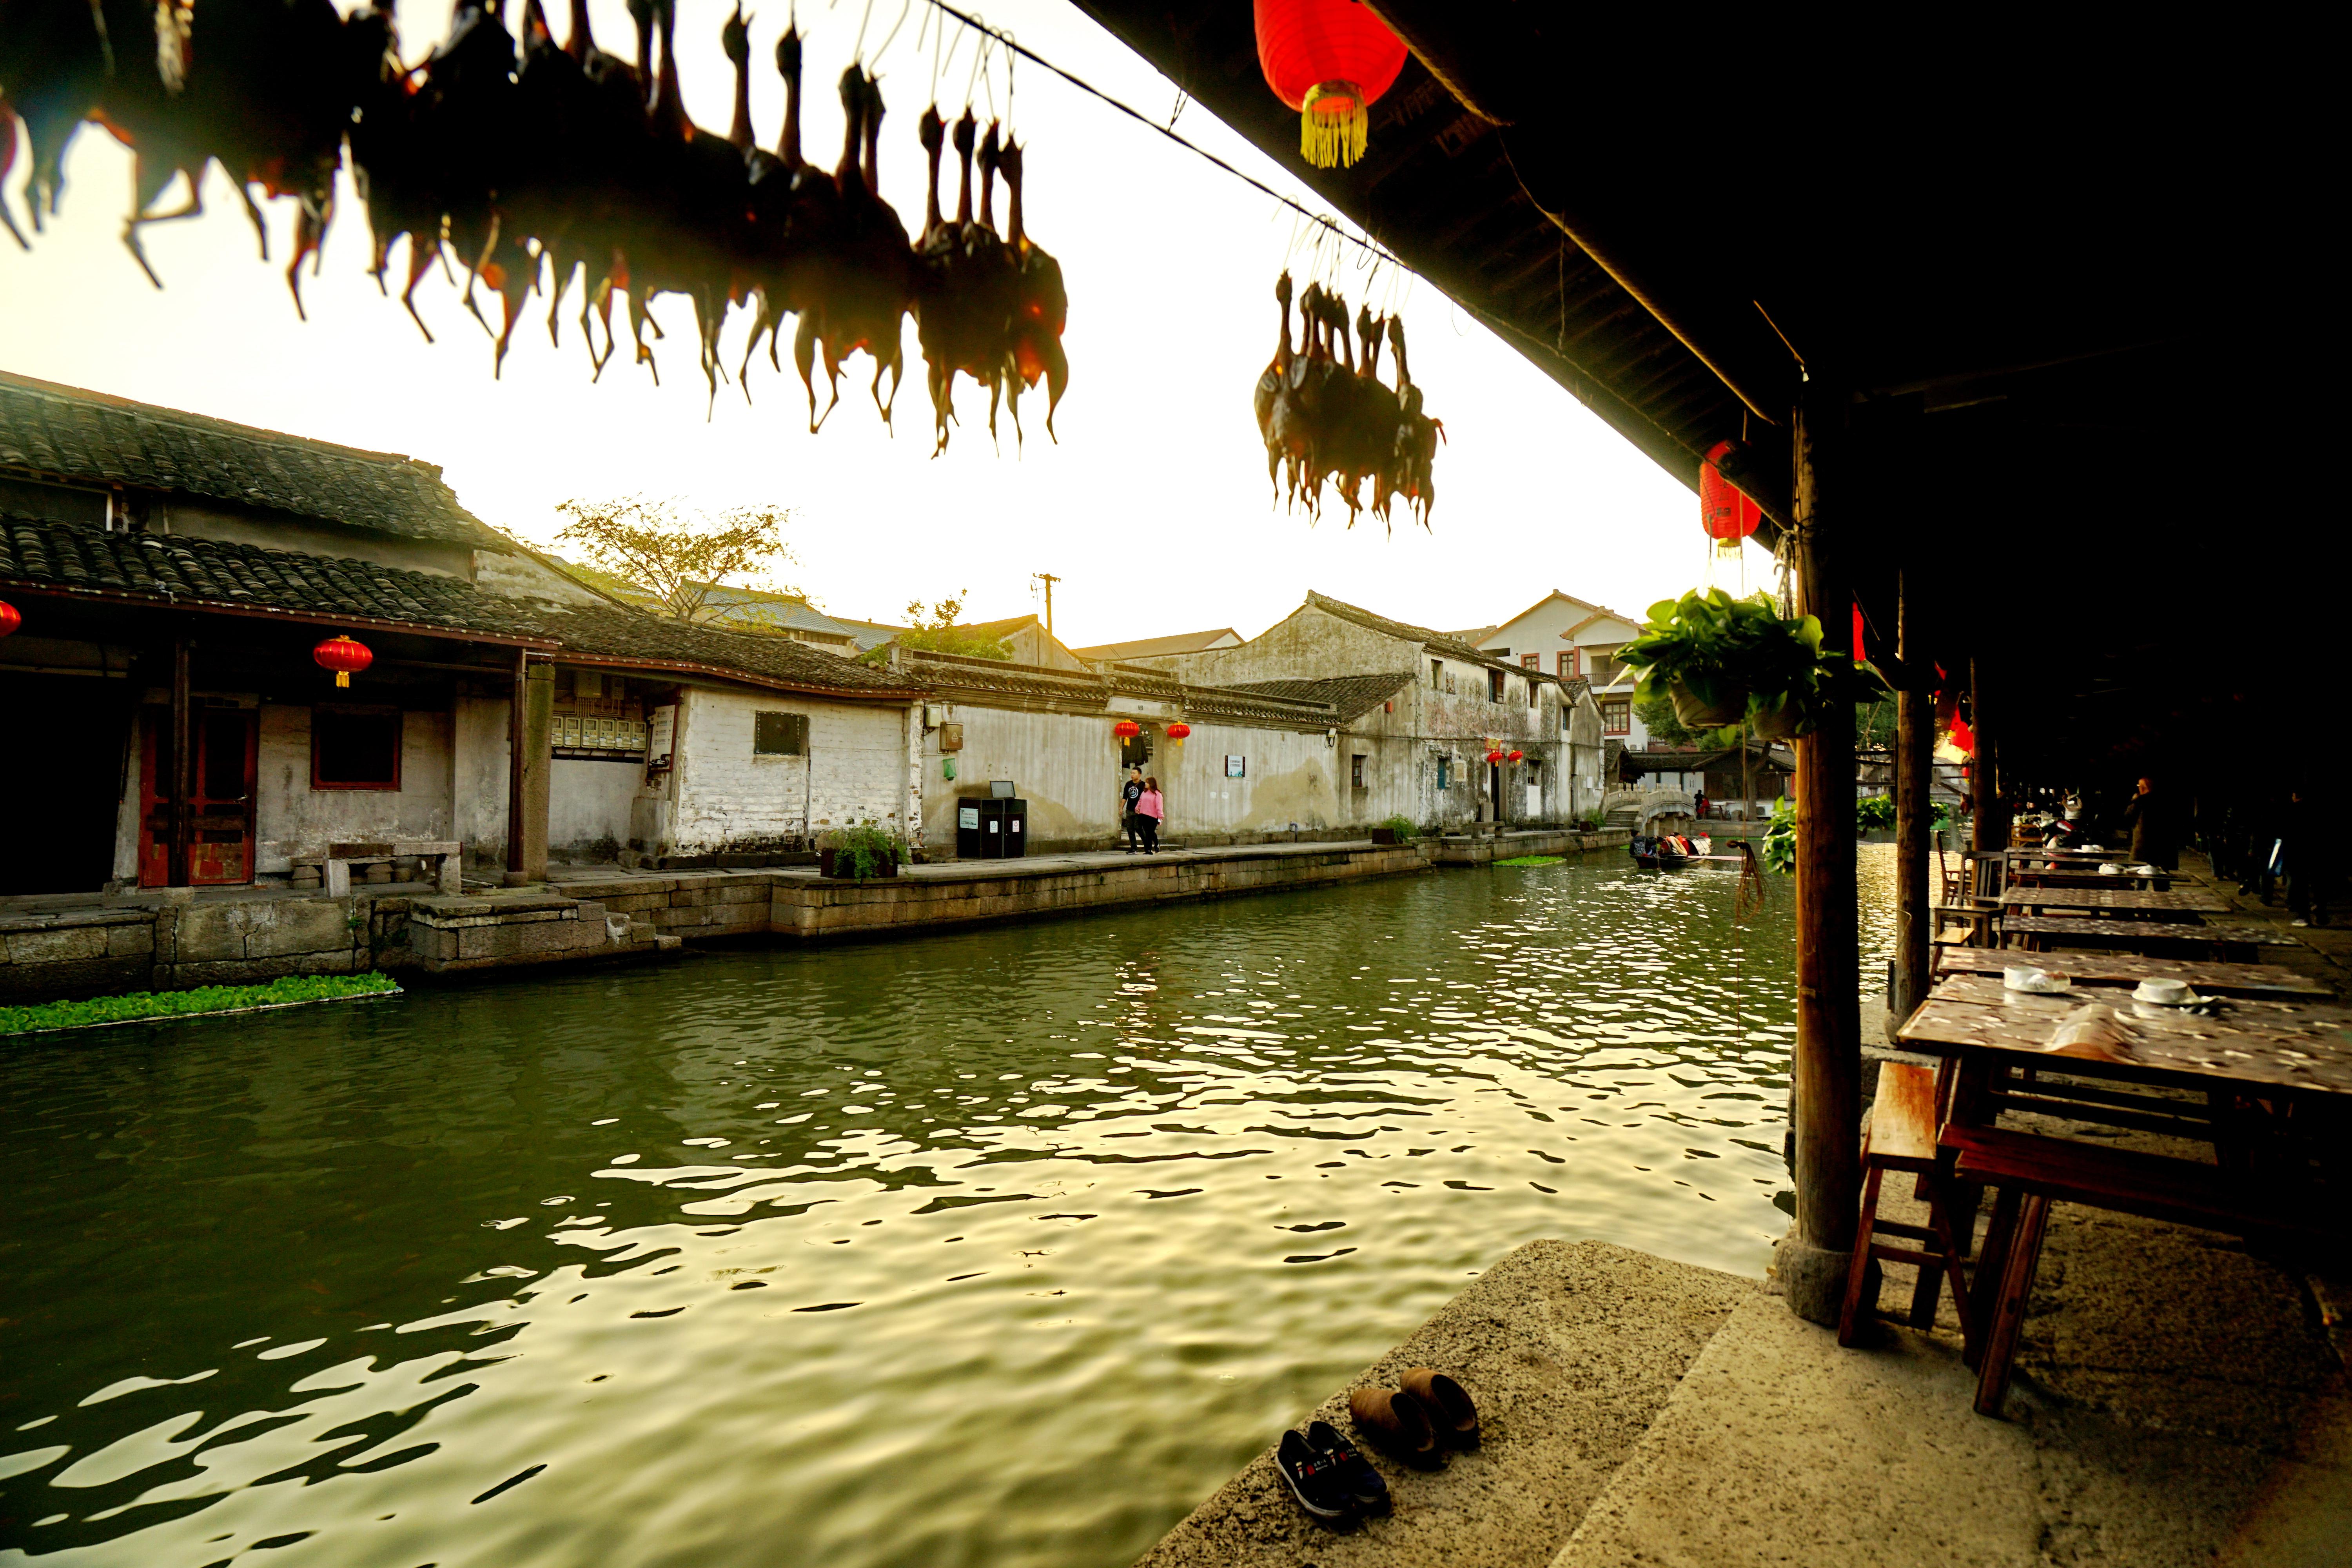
1325 418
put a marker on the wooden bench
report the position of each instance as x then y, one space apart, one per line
2033 1172
447 856
1903 1137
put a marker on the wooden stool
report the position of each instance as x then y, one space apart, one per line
1903 1137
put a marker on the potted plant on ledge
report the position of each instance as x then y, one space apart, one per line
857 853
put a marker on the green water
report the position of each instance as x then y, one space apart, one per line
999 1247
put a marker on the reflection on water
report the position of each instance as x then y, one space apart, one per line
997 1248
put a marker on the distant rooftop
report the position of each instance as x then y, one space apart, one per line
1149 648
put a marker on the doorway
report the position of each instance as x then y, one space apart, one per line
66 805
220 836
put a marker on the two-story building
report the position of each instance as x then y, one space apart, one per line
1573 637
1420 748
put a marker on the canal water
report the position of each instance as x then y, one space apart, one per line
1002 1247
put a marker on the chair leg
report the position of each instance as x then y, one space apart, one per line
1977 1311
2008 1315
1858 1267
1939 1216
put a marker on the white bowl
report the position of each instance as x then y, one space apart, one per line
2143 870
2109 869
2165 993
2021 977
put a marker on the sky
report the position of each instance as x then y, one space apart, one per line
1152 508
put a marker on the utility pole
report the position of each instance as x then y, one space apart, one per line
1049 580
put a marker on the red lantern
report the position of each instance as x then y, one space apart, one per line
1494 757
1177 732
344 655
1724 509
1328 59
1127 728
9 620
1518 756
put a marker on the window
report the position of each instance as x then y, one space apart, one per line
1617 715
1444 772
1356 771
1535 692
1535 774
354 748
779 735
1567 664
1436 673
1531 661
1494 686
1604 667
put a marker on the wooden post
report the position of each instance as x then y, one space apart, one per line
518 729
1914 762
1826 1079
1991 826
184 768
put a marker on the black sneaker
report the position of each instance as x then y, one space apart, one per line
1355 1472
1314 1479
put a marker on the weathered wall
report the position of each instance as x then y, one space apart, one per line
1308 645
726 799
291 818
478 775
588 808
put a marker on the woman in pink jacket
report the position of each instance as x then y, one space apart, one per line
1149 807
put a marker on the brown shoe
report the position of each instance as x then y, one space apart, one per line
1394 1420
1448 1406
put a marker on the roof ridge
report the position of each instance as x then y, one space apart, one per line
65 392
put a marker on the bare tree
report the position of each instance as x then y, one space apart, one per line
678 557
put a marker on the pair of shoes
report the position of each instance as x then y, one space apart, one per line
1326 1475
1426 1412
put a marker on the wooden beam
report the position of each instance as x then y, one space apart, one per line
183 767
1915 763
1826 1079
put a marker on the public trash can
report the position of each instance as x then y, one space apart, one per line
971 842
1015 838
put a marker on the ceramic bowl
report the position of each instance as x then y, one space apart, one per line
2109 869
2021 977
2166 993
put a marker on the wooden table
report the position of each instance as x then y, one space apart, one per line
2030 876
2100 973
2119 901
2041 931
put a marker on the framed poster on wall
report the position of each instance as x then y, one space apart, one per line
1235 766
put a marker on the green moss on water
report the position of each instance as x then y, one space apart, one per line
204 999
1531 861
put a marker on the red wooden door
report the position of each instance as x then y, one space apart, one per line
220 847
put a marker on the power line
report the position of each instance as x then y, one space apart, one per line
1379 252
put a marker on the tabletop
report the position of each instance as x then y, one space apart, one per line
2135 933
2111 970
2168 901
2271 1043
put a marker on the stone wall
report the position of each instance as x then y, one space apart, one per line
726 799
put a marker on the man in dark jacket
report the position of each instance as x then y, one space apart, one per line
1128 794
2149 818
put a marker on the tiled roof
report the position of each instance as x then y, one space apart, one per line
1445 643
1153 648
1349 696
1029 684
68 433
200 574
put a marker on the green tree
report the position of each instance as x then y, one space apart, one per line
933 629
673 558
1657 716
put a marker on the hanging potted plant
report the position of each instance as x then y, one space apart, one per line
1802 696
1698 651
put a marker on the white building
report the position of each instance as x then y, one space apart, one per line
1568 637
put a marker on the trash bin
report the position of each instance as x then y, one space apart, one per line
970 840
1014 843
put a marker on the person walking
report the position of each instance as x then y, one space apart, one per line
2309 862
1129 792
1149 807
2149 818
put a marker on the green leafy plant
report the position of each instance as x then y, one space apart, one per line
204 999
1878 811
1402 826
1779 849
1718 658
1666 727
1531 861
865 849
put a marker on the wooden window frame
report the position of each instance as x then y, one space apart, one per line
360 711
760 716
1568 665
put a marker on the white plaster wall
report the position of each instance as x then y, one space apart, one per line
478 777
291 818
725 798
588 807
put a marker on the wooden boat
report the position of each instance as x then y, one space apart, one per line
1657 854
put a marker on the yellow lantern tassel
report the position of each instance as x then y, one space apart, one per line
342 677
1333 127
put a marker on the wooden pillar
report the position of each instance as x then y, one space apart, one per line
529 720
1914 763
1991 826
183 767
1826 1079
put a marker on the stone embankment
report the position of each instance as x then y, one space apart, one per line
53 947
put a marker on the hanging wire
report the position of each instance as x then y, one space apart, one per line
857 51
884 48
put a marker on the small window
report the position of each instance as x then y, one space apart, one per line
1445 772
1567 664
1356 771
355 748
1535 692
1531 661
1617 716
1494 686
1436 673
779 735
